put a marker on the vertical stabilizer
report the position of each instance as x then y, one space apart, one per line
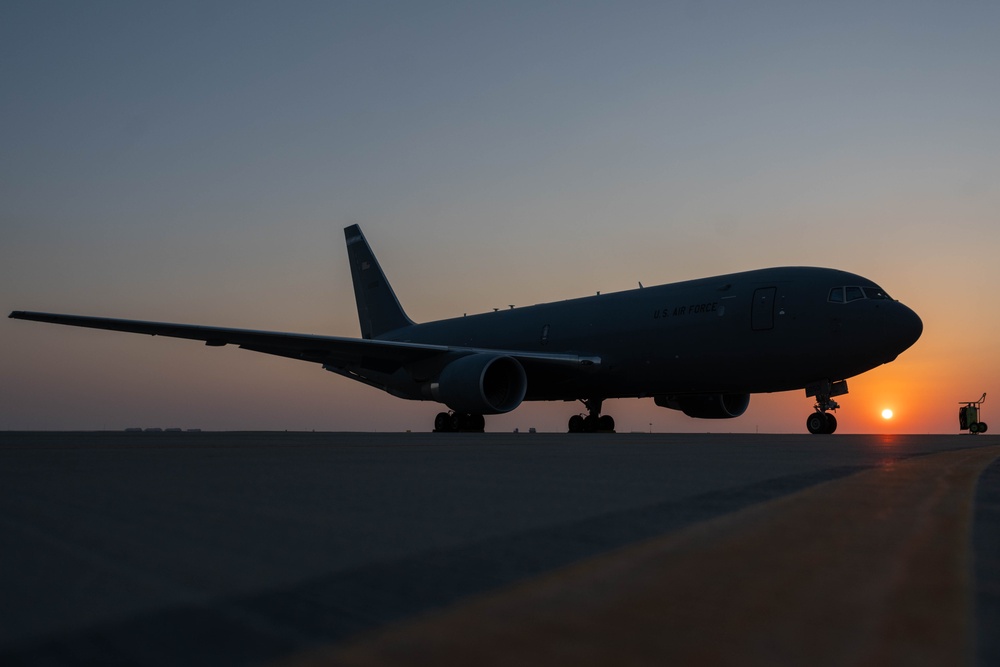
378 308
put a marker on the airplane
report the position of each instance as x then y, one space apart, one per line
700 346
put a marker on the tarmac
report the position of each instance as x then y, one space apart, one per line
420 549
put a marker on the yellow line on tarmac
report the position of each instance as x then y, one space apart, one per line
872 569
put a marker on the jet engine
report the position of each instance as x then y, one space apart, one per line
481 384
707 406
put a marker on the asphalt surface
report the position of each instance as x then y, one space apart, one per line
245 548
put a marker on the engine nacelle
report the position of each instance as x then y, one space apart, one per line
481 384
707 406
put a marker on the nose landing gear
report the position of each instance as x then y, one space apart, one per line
820 422
594 422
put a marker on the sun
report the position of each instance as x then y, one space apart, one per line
887 414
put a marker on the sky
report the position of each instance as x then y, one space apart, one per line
196 162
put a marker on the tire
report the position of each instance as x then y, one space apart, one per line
816 423
982 427
444 423
831 424
974 428
576 424
606 423
466 423
478 423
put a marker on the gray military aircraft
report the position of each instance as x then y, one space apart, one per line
700 346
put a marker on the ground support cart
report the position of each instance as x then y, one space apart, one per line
969 415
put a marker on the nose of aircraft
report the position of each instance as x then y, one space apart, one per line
904 326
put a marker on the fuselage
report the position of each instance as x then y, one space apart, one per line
757 331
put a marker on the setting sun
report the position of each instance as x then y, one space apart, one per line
887 414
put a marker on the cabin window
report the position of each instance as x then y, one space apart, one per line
855 293
837 295
545 334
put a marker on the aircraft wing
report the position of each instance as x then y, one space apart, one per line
333 350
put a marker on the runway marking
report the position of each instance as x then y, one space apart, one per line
869 569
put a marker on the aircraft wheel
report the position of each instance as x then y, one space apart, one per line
831 423
606 423
444 423
590 424
470 423
816 423
464 422
576 424
477 423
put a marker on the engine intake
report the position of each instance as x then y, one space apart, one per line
481 384
707 406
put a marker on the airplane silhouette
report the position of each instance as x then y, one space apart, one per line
699 346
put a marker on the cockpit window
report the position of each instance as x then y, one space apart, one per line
855 293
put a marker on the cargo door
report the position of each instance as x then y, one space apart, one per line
762 313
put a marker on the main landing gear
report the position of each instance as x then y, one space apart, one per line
459 422
594 421
820 422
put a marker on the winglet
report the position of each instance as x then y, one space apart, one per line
378 308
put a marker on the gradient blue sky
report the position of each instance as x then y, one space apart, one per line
196 162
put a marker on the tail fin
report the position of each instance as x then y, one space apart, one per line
378 308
